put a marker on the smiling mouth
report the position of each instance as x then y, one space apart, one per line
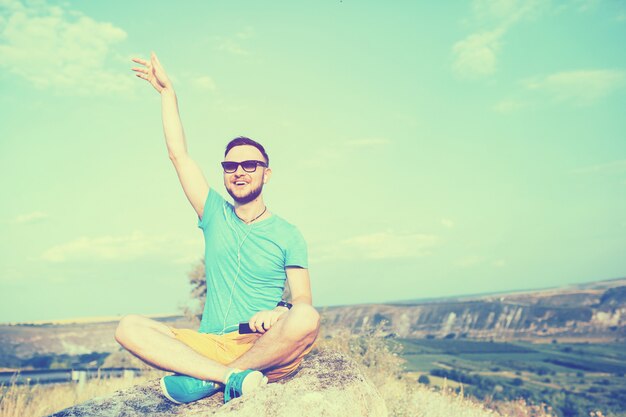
240 183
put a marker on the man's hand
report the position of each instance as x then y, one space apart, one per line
153 72
263 320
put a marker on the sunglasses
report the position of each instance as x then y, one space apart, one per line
248 166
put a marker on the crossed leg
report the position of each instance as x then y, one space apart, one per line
155 344
284 341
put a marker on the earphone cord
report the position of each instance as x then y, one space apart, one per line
240 244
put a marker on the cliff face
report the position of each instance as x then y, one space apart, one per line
593 311
590 313
327 384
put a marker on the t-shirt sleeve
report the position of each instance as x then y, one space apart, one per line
296 251
214 202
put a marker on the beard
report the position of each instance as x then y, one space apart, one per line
246 198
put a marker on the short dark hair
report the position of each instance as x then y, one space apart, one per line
242 140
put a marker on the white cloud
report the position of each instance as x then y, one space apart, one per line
506 12
485 9
377 246
33 217
498 263
232 47
188 251
54 47
608 167
447 223
508 106
236 44
475 56
581 87
106 248
11 5
204 83
246 33
585 5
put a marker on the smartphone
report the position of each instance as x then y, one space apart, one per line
244 328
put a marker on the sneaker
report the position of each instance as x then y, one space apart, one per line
182 389
243 382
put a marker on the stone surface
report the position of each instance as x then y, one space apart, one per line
327 384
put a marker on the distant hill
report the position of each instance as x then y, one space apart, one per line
47 345
588 312
591 311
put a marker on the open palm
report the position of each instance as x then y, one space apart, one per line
153 72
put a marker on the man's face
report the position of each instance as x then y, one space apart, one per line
244 186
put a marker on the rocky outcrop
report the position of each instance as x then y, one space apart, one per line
327 384
580 312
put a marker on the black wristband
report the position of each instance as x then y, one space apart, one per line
283 303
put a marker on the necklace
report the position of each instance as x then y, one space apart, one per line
262 213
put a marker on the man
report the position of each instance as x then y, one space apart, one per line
249 252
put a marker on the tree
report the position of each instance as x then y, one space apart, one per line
424 379
573 407
197 280
517 382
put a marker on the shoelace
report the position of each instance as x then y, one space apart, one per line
234 384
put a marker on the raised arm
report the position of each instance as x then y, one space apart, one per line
191 178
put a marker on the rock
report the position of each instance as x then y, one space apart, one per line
327 384
595 311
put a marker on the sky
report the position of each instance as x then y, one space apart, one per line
424 149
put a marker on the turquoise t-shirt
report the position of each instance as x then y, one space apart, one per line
235 291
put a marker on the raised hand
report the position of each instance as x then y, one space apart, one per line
153 72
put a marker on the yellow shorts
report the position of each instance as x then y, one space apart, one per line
228 347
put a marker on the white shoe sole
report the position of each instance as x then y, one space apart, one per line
253 381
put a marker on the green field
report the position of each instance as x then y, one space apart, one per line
573 378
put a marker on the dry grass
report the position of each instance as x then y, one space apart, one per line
41 400
403 396
375 354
